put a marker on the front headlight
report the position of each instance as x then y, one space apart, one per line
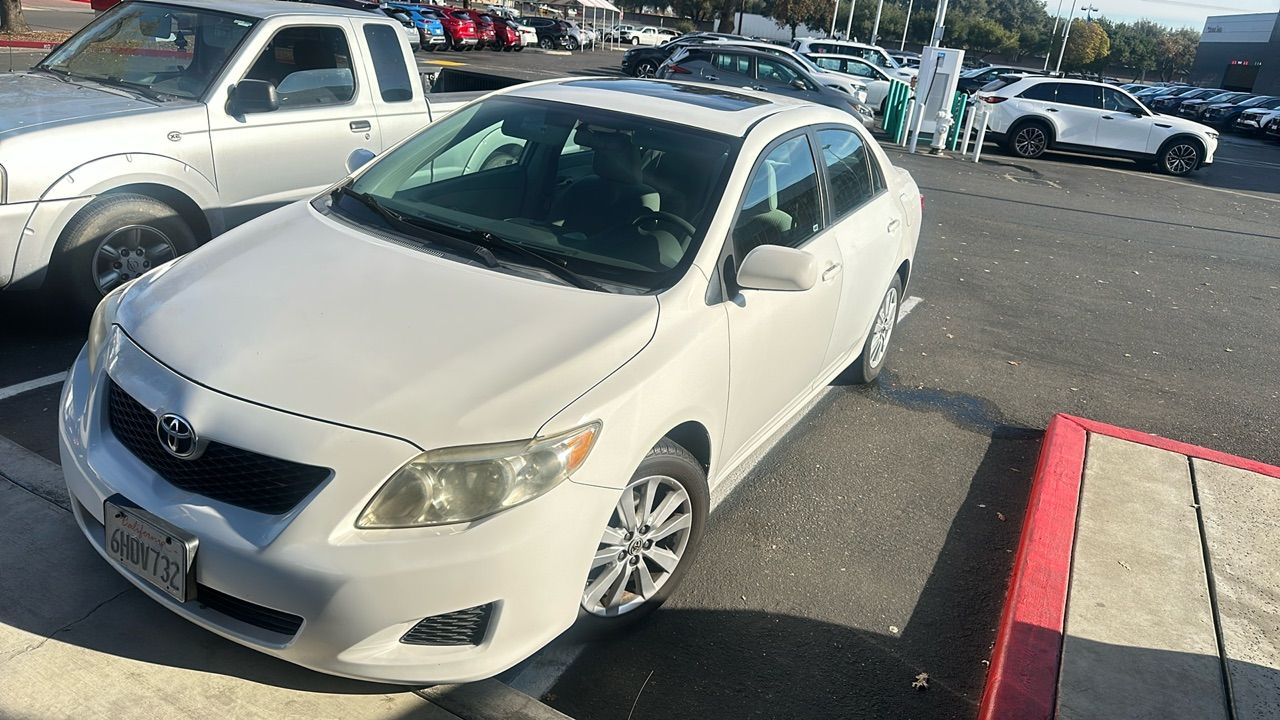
456 485
861 94
104 316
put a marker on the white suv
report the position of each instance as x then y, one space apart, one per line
1035 114
873 53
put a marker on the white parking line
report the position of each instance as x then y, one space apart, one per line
6 393
544 669
908 305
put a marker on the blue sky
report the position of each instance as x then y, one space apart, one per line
1175 13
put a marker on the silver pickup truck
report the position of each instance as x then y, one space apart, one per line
162 124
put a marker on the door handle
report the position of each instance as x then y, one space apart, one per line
712 78
359 126
893 225
831 271
1107 117
759 88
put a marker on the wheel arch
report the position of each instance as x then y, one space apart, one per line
188 209
694 437
1048 123
1180 137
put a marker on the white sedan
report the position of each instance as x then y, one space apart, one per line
413 429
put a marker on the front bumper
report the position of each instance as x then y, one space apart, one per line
357 591
13 219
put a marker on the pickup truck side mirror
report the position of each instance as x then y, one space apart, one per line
252 96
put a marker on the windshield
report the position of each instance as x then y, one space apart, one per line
165 49
620 199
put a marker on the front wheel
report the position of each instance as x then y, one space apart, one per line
570 44
1180 157
647 69
875 349
650 540
115 239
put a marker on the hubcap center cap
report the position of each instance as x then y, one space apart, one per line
134 263
635 547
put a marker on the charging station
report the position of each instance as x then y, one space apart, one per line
939 77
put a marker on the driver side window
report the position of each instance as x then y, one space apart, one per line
782 204
774 71
1119 102
310 67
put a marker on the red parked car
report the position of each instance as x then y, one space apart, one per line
485 30
459 28
508 37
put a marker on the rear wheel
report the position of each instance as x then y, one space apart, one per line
114 239
650 540
647 69
875 349
546 43
1029 140
570 44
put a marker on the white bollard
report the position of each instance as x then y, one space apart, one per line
916 124
906 122
982 136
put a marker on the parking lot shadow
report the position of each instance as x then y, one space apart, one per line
774 662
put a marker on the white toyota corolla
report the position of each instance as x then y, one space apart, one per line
413 429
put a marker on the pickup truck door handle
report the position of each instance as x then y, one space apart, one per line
1053 109
893 225
359 126
830 271
1107 117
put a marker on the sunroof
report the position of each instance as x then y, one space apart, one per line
706 96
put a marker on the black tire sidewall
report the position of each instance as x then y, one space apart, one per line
1164 157
673 461
73 258
1013 139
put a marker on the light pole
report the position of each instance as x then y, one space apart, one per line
939 24
1052 35
834 11
875 28
1089 11
848 23
1066 32
905 23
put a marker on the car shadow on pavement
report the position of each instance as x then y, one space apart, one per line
712 663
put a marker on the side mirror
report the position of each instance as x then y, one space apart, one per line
799 85
775 267
1137 112
358 159
252 96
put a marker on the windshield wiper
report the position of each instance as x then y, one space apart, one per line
414 228
127 86
62 75
492 241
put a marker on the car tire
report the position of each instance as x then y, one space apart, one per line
646 69
546 43
138 231
519 48
1029 139
635 41
671 471
875 349
570 44
1180 156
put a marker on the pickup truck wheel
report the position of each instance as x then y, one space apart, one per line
635 41
115 239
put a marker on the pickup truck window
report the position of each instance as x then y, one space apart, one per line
152 48
388 63
309 65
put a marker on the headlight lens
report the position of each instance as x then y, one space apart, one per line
861 94
456 485
104 316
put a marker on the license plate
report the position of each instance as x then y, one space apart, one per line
154 549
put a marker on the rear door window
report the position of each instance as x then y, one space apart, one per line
388 63
1047 92
1080 95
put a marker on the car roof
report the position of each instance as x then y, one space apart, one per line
263 9
724 110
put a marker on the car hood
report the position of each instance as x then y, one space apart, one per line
30 100
302 313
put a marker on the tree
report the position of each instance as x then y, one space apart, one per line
1176 51
982 35
11 18
793 13
1087 45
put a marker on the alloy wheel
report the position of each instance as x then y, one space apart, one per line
883 328
126 253
642 546
1181 159
646 70
1030 141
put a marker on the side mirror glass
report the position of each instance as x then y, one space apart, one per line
252 96
799 85
358 159
775 267
1137 112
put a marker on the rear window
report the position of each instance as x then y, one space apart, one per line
998 83
460 14
1041 91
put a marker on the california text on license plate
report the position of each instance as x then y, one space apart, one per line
154 549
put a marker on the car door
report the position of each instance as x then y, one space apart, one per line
326 111
779 339
1124 124
867 224
774 75
729 68
1076 110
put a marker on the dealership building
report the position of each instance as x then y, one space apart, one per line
1239 52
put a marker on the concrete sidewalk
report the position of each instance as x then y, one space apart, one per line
78 641
1147 584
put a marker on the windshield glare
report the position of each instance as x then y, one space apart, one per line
173 50
618 198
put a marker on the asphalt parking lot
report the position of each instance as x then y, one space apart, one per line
874 542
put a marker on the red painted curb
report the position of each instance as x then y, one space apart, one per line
1023 680
28 44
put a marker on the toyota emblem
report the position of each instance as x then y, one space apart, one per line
177 436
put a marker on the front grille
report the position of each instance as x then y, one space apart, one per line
247 612
224 473
461 627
